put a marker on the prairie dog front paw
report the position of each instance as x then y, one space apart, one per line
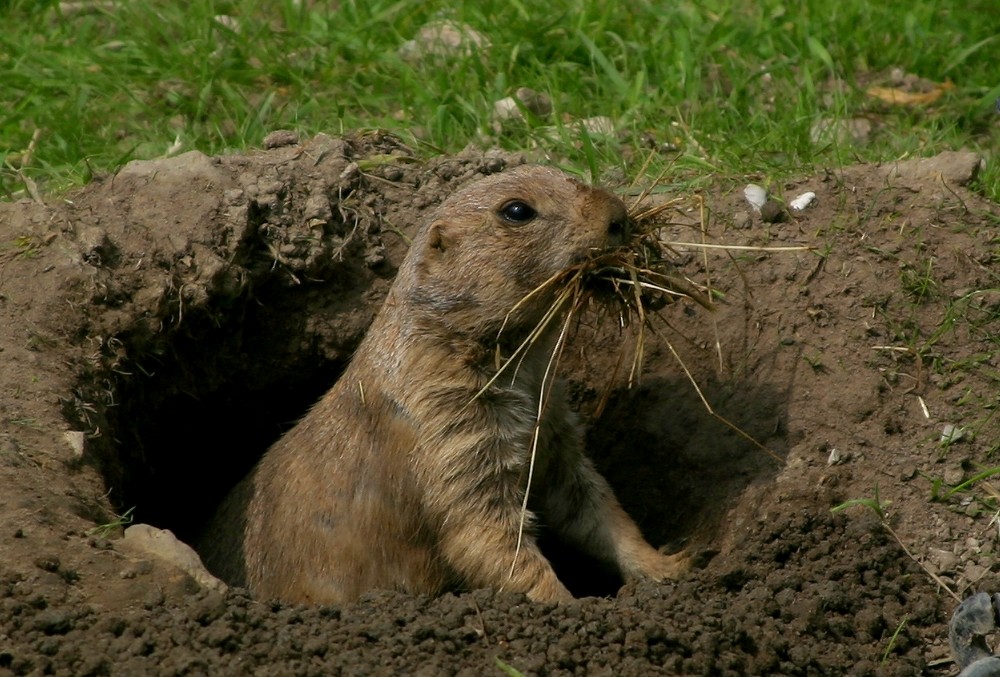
659 567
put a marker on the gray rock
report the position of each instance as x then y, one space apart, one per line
956 167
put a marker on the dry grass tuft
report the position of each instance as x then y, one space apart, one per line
627 282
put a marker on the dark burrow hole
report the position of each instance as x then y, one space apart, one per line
203 401
198 409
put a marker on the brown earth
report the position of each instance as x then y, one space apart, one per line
161 327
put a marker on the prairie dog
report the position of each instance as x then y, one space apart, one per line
400 477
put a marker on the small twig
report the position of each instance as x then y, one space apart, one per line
31 187
748 248
934 576
482 622
29 152
644 193
548 378
68 9
708 280
965 209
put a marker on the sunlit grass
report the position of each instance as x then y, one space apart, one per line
724 87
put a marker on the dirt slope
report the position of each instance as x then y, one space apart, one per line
159 328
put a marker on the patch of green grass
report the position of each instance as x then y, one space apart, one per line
875 504
119 522
918 281
892 640
507 669
977 314
26 422
729 87
816 362
973 497
940 493
21 247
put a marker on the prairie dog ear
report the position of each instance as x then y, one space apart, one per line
439 240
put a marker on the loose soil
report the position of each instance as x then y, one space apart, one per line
162 326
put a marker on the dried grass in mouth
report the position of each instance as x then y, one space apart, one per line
640 275
627 283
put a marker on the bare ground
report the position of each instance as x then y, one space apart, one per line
161 327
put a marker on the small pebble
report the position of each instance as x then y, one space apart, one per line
802 201
943 560
755 196
280 138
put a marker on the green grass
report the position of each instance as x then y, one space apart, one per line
119 522
875 504
734 86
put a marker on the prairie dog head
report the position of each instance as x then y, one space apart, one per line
497 239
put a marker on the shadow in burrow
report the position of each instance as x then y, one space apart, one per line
184 412
675 467
205 400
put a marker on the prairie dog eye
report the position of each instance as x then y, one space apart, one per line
517 212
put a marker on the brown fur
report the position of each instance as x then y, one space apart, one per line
399 477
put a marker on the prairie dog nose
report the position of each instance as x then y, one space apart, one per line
619 225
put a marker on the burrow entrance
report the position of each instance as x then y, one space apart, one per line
197 413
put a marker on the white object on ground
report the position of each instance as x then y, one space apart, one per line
755 195
802 201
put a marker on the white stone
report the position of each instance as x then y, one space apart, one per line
802 201
755 195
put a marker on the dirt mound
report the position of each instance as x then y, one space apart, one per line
161 327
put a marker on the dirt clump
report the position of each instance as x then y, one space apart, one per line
162 326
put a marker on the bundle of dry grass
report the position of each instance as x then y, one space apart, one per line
627 283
